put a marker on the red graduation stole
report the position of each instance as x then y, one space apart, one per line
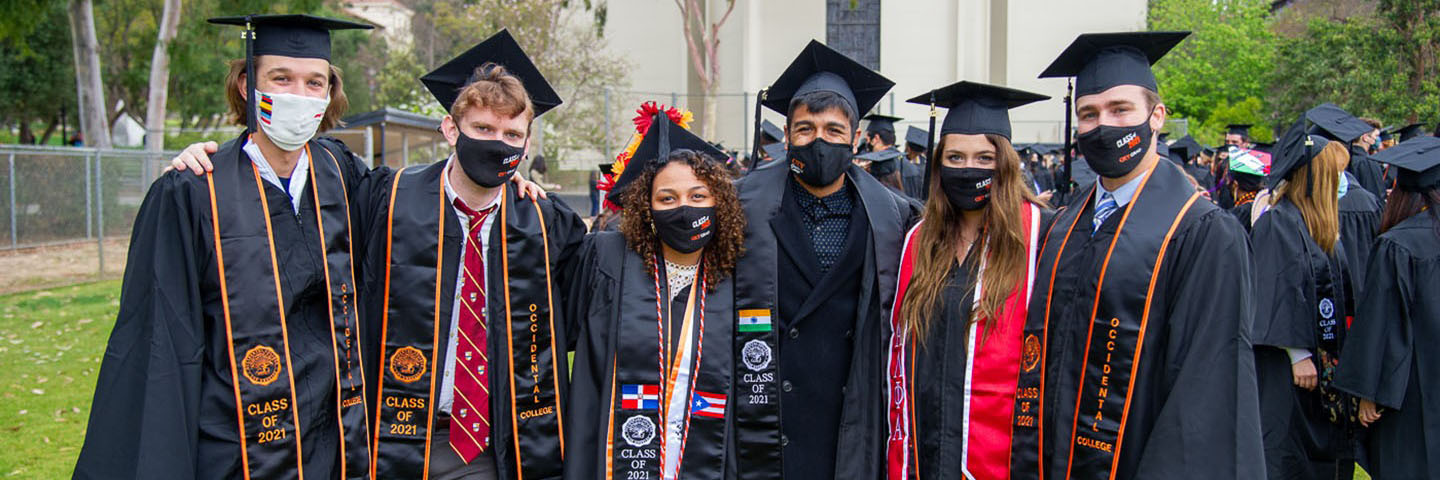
992 368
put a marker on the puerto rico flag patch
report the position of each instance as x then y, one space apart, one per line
757 320
639 397
708 405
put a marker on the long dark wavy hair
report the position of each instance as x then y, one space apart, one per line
638 226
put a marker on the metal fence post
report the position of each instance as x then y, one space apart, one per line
14 240
89 217
100 210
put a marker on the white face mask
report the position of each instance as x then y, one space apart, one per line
289 120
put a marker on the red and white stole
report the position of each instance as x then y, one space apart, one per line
992 368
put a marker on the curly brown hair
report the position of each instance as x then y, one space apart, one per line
637 225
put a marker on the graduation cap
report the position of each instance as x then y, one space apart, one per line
663 138
1099 61
299 36
1263 147
776 151
1418 160
1335 123
1410 131
1164 136
882 162
1385 134
881 123
818 68
501 49
607 168
771 131
1184 148
976 108
916 136
1249 162
1241 129
1296 149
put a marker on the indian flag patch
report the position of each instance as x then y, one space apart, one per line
755 320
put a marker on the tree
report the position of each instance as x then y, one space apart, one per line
702 39
1226 61
160 78
36 76
89 89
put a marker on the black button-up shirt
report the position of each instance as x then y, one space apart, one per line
827 220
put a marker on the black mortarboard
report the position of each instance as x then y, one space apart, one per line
881 123
1264 147
1418 160
771 131
299 36
1164 136
1335 123
607 168
1184 148
916 136
977 108
1410 131
1241 129
1385 134
776 151
501 49
882 162
819 68
663 137
1295 149
1099 61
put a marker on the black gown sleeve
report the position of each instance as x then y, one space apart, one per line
1379 347
1212 398
370 209
1284 314
587 409
144 422
567 235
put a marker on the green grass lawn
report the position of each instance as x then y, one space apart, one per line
51 342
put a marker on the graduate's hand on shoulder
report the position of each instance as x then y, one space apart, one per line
1369 413
195 158
1305 375
528 189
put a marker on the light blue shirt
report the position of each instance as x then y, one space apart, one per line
1122 195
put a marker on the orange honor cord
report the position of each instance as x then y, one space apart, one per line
329 308
385 319
434 337
229 337
284 328
550 298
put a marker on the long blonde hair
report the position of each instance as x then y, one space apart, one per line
1002 231
1312 188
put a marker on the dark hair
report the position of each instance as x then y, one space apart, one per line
893 180
638 226
1404 203
888 137
821 101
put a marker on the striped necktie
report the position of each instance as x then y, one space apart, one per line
470 412
1104 210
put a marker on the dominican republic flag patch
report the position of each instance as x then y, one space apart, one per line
639 397
754 320
708 405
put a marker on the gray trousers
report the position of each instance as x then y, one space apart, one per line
445 464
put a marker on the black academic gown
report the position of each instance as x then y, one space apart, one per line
1242 213
913 176
1202 175
1192 410
614 286
823 362
1359 223
1298 286
164 402
1390 352
1368 171
939 365
401 254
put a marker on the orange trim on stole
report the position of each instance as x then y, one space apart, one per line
1144 321
229 338
554 361
510 332
1045 338
284 329
610 429
385 322
329 306
434 337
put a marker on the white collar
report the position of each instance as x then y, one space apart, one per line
298 176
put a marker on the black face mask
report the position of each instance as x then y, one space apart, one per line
1114 152
819 163
685 229
967 189
488 163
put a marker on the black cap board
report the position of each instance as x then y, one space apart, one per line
1410 131
771 131
916 137
1335 123
1385 134
1241 129
1100 61
1183 149
881 123
1264 147
977 108
607 168
299 36
819 68
776 151
1418 160
500 49
1295 149
882 162
663 138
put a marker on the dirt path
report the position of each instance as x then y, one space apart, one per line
41 267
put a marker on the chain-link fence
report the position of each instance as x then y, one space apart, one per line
66 212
